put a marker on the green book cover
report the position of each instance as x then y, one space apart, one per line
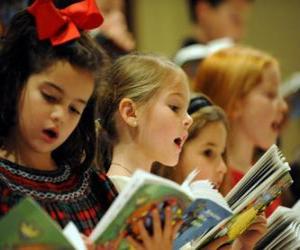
28 226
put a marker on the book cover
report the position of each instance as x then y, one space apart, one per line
199 218
28 226
143 193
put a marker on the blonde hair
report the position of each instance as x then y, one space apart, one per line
138 77
201 118
230 74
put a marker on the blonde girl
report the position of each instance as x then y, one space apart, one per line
143 114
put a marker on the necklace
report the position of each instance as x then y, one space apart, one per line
129 171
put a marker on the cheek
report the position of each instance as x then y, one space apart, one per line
205 169
206 173
266 113
259 109
71 126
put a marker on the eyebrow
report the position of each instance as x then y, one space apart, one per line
179 94
53 85
210 144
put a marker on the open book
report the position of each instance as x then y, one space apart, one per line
283 229
205 212
262 184
27 224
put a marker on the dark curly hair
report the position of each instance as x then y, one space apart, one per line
22 55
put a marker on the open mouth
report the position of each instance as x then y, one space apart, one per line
276 126
178 142
50 133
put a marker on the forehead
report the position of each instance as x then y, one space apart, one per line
176 83
213 132
237 6
72 80
270 77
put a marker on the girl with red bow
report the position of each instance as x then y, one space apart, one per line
50 70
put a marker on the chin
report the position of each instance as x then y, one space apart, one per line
170 162
267 144
264 142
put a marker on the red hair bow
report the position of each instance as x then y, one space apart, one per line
63 25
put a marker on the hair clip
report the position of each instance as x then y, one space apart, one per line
197 103
63 25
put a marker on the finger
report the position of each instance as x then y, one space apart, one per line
217 243
262 213
135 244
260 219
168 228
225 247
176 228
143 232
91 247
258 227
261 223
156 224
88 243
118 241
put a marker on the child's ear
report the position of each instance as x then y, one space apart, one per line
236 110
128 110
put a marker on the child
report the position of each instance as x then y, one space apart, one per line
144 115
205 146
49 75
245 83
204 150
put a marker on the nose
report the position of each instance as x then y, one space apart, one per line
283 106
188 120
283 109
222 167
58 113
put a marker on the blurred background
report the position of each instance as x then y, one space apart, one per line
160 26
273 26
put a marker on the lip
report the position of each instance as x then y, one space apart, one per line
183 138
276 126
182 141
179 147
48 139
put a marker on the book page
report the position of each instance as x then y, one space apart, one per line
262 184
74 236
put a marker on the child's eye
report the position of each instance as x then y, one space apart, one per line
223 154
271 95
74 110
174 108
208 153
50 98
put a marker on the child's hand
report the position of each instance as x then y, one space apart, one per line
162 237
112 245
253 234
219 244
89 245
